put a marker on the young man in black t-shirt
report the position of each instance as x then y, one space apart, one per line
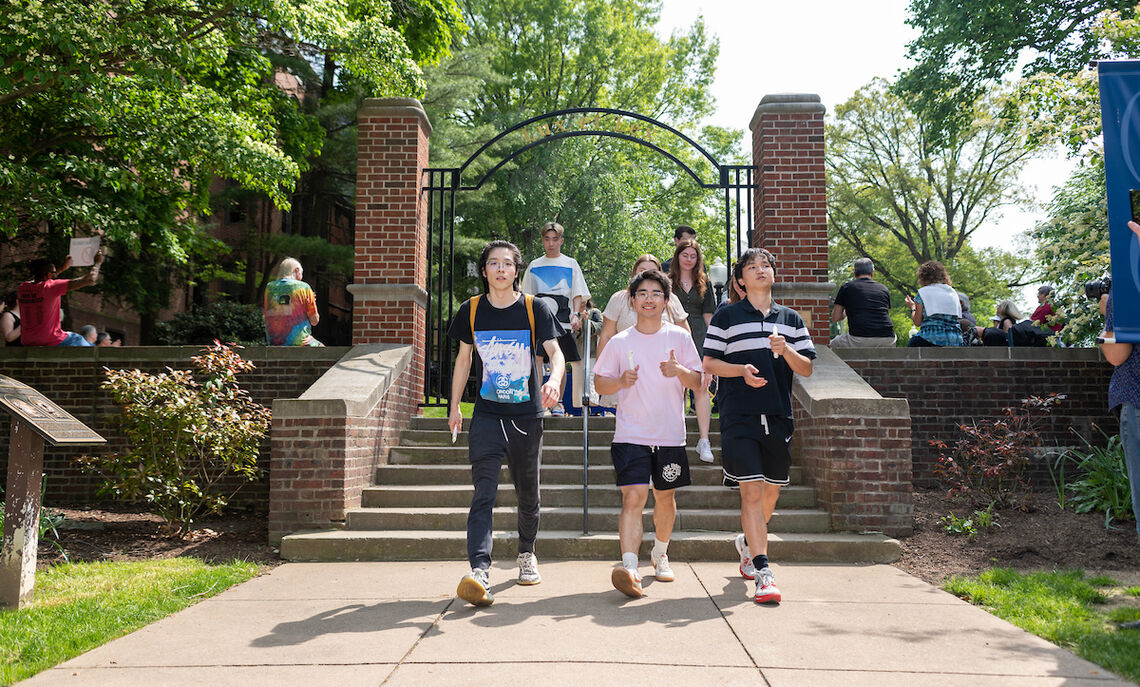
866 305
507 420
756 346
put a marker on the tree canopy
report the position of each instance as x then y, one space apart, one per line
901 198
116 116
966 46
616 199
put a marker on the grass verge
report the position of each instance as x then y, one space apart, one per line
79 606
1066 608
464 407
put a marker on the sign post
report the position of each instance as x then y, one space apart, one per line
34 420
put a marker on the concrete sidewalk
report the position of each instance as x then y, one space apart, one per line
398 624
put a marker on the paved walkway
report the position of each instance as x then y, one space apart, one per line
397 624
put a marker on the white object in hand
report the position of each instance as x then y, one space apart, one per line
454 434
770 332
630 355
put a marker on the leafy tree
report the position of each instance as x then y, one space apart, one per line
966 47
901 199
117 116
616 199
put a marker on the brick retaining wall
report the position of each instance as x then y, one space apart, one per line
71 378
947 387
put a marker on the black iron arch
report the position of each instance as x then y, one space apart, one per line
592 132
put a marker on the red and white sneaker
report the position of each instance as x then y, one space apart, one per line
766 590
747 570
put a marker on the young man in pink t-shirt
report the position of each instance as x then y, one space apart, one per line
648 366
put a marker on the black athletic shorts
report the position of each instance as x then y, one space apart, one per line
755 448
666 466
569 348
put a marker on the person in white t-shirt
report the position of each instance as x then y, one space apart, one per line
557 280
648 365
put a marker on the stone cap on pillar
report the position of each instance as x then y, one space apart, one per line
787 103
396 107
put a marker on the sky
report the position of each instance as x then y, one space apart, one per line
830 48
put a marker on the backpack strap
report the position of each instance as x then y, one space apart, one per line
530 316
473 303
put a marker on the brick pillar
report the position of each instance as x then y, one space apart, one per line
390 272
790 203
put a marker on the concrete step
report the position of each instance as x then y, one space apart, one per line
552 457
602 519
354 545
600 475
551 437
459 496
555 423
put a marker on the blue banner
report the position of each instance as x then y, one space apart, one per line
1120 117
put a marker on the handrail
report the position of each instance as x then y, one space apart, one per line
587 399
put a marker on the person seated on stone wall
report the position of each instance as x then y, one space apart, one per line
10 321
935 309
967 322
866 305
290 308
40 302
89 333
1012 329
1045 315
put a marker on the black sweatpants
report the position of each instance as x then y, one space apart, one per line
491 439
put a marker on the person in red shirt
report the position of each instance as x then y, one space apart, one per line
1045 311
39 303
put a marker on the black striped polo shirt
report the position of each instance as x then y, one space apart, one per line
738 334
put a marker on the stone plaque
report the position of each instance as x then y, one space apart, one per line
53 423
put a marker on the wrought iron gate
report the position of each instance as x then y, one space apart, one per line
441 185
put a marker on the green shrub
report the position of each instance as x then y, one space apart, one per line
220 321
185 437
1103 479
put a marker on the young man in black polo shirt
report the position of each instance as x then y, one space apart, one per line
505 330
755 346
866 305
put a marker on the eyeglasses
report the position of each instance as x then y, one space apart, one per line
649 295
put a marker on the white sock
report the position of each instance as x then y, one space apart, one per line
629 560
660 548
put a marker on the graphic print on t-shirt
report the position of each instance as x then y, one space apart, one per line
506 360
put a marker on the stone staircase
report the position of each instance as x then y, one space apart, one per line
417 508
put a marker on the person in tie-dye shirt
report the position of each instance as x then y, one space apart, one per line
290 308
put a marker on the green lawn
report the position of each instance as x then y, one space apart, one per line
1065 608
79 606
464 408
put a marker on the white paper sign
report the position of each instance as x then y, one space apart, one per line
83 251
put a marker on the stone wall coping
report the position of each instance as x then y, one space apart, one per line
389 292
127 356
352 387
395 107
902 353
792 289
836 390
787 103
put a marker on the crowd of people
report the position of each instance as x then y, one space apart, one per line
940 314
662 338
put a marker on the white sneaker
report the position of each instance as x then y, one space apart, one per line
766 590
704 451
747 570
661 568
473 588
627 581
528 569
